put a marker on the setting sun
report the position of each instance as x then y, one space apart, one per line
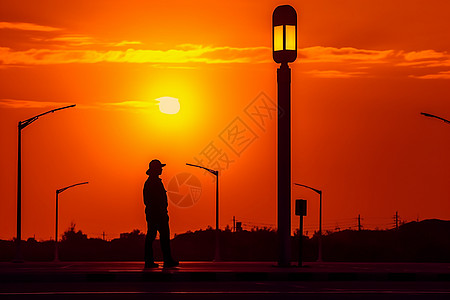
168 105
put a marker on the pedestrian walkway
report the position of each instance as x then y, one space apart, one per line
221 271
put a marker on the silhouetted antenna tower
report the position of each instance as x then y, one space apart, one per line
359 223
396 218
234 224
104 236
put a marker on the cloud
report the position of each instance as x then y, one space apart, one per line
26 26
320 54
73 40
126 43
424 55
440 75
76 40
200 54
129 104
348 62
15 103
425 59
334 74
319 61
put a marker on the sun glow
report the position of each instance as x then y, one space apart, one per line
168 105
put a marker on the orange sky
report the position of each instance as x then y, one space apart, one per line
365 71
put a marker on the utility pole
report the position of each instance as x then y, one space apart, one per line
59 191
104 236
359 222
234 224
319 255
396 220
22 124
216 173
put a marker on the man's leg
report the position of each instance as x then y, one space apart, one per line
164 238
149 238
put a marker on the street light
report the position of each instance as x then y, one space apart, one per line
20 126
436 117
216 173
319 255
284 32
59 191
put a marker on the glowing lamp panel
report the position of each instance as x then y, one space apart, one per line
278 43
290 37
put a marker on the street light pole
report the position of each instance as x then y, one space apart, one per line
59 191
21 126
216 173
320 192
284 42
284 164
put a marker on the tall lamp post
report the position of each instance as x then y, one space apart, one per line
59 191
319 255
20 126
284 32
216 173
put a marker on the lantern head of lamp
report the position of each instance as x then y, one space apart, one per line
284 32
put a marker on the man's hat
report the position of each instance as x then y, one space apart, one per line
154 165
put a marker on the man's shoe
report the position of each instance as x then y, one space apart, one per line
149 265
171 264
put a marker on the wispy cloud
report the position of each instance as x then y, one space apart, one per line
425 59
424 55
319 54
129 104
26 26
440 75
73 40
200 54
347 62
77 40
126 43
15 103
334 74
123 105
319 61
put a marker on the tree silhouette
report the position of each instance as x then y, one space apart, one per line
71 235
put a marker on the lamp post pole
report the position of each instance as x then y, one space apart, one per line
320 192
284 29
21 126
284 164
216 173
434 116
59 191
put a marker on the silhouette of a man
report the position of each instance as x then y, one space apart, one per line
155 200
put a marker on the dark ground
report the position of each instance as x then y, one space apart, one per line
225 280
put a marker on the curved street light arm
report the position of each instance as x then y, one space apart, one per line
433 116
215 172
58 191
23 124
308 187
